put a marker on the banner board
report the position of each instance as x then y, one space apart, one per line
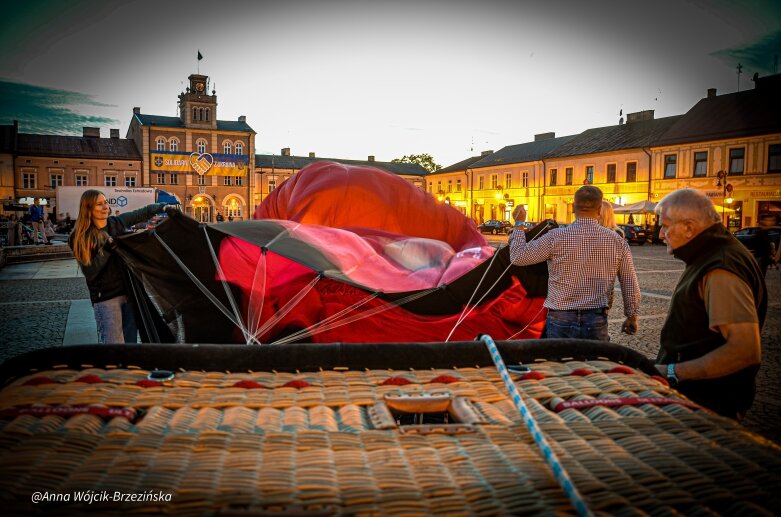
204 164
123 199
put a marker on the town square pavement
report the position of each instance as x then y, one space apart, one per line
46 304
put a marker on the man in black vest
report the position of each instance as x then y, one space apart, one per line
710 342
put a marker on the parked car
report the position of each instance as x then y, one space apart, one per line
495 227
634 233
750 237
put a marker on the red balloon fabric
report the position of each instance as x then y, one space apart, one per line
382 235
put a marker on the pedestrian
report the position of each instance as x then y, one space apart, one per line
220 218
584 260
766 251
48 229
230 217
68 222
93 242
607 218
14 237
36 220
710 346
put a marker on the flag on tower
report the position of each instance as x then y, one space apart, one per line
199 55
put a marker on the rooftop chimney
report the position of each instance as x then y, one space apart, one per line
371 157
544 136
711 93
114 133
136 111
91 132
285 151
311 155
486 153
639 116
242 118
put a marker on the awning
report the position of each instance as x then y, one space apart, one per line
723 209
165 197
641 207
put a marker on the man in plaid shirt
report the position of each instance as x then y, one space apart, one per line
583 262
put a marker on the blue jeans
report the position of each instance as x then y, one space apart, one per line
583 325
116 321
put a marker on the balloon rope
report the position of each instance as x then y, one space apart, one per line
282 312
478 302
255 309
314 329
531 424
228 293
531 320
198 283
303 332
462 316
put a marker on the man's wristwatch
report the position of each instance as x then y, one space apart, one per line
672 378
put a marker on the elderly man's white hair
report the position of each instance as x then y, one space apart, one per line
688 205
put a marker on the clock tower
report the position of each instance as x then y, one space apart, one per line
197 107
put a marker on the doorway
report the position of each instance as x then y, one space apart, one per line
202 210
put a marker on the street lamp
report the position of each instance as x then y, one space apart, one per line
726 191
500 189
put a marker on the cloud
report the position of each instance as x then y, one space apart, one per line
49 111
757 56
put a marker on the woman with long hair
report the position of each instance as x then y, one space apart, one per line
607 218
92 242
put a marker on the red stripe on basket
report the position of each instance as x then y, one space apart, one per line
444 379
70 411
628 401
37 381
395 381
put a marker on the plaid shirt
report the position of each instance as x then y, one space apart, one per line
583 262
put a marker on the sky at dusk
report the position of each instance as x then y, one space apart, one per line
348 79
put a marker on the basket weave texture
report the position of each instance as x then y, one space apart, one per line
268 443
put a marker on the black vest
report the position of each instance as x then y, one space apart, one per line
686 334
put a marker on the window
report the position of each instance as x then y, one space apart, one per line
56 180
439 187
611 172
272 184
160 178
508 180
200 114
568 176
670 165
227 181
232 209
239 148
480 183
130 181
774 158
28 180
201 145
207 114
160 143
201 180
431 186
110 181
590 174
525 179
700 164
174 179
736 160
494 181
553 174
239 181
174 144
195 114
81 180
458 185
227 148
449 186
631 172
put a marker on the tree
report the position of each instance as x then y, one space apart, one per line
424 160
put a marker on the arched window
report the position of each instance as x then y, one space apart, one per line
201 145
226 147
239 148
200 113
160 143
174 144
232 208
207 114
195 114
